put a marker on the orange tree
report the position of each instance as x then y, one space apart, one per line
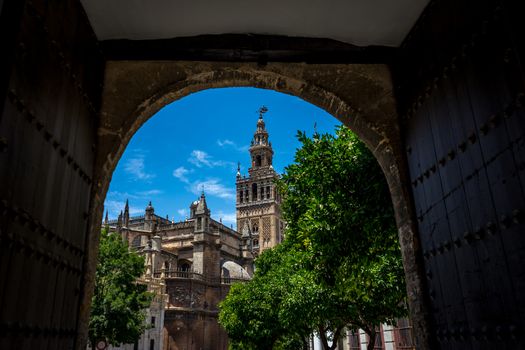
340 264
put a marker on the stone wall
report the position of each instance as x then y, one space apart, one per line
191 317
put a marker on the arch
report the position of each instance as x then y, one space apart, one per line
136 242
184 265
255 192
360 96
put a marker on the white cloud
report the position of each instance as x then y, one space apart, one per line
114 207
227 218
144 194
115 201
182 212
136 168
230 143
181 174
225 142
200 158
213 187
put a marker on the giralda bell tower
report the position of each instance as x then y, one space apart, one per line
258 202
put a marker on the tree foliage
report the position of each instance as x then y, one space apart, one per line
340 264
119 302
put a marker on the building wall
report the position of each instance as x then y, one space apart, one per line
191 315
193 293
461 90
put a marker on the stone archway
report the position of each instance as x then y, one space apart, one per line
360 96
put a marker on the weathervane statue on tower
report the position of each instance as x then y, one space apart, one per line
262 110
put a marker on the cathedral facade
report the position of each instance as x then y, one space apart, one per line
191 264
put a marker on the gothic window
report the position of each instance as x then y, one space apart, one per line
247 195
254 192
199 223
266 230
136 242
241 196
258 160
255 225
267 192
256 243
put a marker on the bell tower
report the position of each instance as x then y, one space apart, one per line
258 202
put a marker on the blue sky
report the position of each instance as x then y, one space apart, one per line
197 141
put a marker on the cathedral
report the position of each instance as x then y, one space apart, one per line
191 264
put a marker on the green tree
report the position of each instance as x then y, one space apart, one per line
255 315
119 302
340 264
338 208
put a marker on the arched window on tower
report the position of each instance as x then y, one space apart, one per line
258 160
267 192
254 192
247 195
255 228
241 196
199 223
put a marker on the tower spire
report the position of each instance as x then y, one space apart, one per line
262 110
126 214
261 149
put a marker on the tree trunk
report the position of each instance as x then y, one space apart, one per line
322 335
305 342
372 341
324 339
336 336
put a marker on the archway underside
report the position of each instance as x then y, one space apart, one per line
360 96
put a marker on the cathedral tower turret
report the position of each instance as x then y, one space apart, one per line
261 151
106 221
149 217
258 203
126 214
206 244
202 215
